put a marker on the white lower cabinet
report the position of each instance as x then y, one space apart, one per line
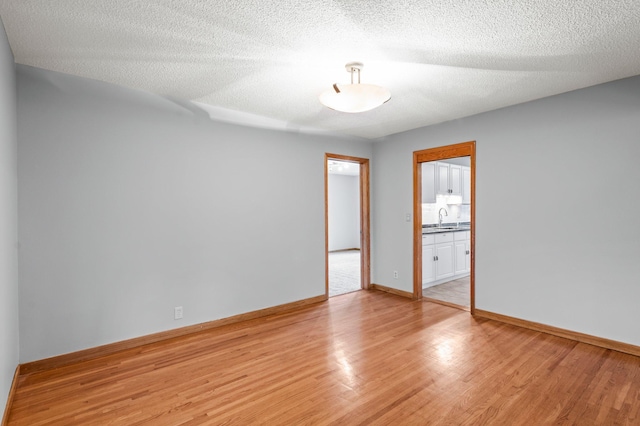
462 250
461 257
445 256
444 260
428 264
468 259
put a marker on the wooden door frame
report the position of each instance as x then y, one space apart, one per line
365 240
463 149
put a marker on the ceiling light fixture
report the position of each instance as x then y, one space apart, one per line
354 97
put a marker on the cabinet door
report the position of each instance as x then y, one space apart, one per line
442 183
428 264
466 185
444 262
429 182
455 179
468 257
461 262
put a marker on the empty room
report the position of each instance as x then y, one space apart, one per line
165 212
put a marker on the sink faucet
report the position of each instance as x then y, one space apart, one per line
440 215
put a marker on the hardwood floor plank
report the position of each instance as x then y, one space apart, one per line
362 358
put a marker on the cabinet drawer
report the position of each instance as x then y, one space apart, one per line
428 239
444 237
462 236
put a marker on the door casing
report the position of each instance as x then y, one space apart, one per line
463 149
365 240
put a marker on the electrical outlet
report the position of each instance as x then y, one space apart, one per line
177 312
395 274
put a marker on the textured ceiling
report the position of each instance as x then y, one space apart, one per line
264 62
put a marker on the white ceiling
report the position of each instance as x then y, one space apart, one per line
264 62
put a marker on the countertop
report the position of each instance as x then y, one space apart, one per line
444 228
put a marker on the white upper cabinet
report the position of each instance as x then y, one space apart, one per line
448 179
442 176
455 179
429 182
466 185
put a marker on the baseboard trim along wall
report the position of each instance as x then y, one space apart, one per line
12 392
391 290
108 349
560 332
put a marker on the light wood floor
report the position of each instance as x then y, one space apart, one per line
361 358
457 292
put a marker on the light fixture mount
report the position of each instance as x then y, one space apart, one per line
354 97
352 66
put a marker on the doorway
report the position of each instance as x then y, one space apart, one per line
347 254
444 225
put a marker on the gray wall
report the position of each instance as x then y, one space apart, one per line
8 220
567 166
131 205
344 212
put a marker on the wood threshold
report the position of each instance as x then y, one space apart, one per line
561 332
12 392
391 290
341 250
445 303
111 348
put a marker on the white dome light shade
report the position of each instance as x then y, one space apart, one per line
355 97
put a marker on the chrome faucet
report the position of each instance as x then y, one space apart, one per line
440 216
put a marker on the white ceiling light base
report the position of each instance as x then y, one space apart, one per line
354 97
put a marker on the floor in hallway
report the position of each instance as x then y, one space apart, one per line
344 272
457 292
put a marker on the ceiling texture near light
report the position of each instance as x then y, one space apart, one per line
264 62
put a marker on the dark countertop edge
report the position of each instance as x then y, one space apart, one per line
442 231
460 224
431 229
